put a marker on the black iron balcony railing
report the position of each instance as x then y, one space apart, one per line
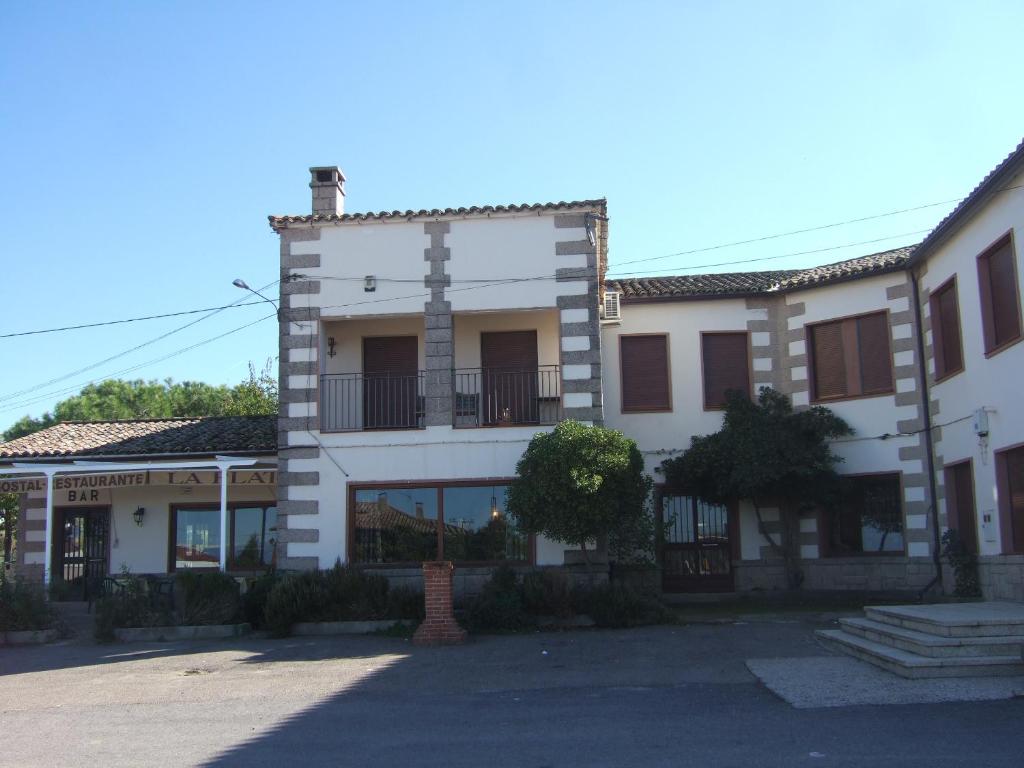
486 397
359 401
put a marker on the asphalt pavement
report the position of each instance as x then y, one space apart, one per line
657 696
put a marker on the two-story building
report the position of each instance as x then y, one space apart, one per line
420 351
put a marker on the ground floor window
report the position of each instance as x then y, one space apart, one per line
868 518
196 540
1010 473
466 522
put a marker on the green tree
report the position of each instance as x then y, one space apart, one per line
770 454
139 399
8 522
578 484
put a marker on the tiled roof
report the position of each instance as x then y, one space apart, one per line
281 222
988 186
753 283
149 437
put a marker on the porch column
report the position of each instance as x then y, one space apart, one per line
48 554
223 518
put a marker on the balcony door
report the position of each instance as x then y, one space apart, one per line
510 377
390 382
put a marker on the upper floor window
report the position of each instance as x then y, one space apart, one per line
850 357
945 316
726 363
645 373
1000 299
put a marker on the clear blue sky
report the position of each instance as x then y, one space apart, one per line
142 145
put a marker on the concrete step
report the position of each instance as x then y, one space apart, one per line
76 619
912 665
988 619
936 646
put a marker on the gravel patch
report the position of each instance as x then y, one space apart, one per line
836 681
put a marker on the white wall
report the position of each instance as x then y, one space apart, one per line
502 248
992 383
683 321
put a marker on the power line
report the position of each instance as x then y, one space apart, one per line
136 367
92 366
127 320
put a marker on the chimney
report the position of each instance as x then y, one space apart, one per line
328 185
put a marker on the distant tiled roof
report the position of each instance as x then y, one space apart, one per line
280 222
149 437
1012 164
753 283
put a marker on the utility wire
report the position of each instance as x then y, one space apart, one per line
127 320
11 395
890 435
136 367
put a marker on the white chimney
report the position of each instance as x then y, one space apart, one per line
328 185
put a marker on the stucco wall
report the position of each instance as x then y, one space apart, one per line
992 383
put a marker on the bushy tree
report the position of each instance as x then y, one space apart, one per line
770 454
139 399
578 484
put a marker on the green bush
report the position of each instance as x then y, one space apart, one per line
254 601
547 593
23 606
964 564
616 605
133 606
208 597
340 593
499 606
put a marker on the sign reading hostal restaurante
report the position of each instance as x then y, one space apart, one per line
266 477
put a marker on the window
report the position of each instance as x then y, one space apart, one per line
868 518
959 488
1010 469
726 362
463 522
252 536
1000 302
850 357
645 378
945 317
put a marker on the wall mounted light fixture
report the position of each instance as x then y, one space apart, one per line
138 515
331 344
370 284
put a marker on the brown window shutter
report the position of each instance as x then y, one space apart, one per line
945 310
829 360
396 355
726 366
645 380
1003 290
1015 495
875 359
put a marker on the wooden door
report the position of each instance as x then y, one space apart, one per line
696 552
509 377
390 382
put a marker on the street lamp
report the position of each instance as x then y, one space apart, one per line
240 283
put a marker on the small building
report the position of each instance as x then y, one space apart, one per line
152 496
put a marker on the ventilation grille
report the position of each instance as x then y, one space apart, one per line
611 310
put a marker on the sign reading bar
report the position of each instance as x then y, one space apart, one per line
258 477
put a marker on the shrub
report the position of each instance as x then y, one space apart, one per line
616 605
254 601
340 593
499 606
547 593
964 564
131 607
209 597
23 606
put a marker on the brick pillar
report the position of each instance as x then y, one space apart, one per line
440 627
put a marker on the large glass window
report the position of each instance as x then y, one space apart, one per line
869 518
252 534
459 522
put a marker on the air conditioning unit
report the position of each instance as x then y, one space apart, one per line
611 309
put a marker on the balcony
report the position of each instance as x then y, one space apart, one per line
481 397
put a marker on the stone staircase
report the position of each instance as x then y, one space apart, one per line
76 622
951 640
